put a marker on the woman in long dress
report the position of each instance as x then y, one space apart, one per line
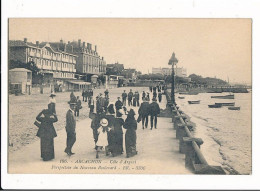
110 116
47 133
117 148
130 136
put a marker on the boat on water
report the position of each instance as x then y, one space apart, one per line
181 97
215 106
234 108
188 93
230 96
194 102
226 104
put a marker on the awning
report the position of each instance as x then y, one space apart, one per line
45 71
80 83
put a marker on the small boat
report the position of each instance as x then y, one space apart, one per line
215 106
230 96
226 104
234 108
194 102
188 93
181 97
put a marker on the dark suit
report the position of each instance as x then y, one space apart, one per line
144 113
71 130
154 111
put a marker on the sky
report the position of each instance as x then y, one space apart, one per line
208 47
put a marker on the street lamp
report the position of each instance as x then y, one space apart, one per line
173 61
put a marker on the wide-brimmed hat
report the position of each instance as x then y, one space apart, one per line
104 122
52 94
131 112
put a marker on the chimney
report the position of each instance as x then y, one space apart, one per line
79 41
88 46
102 58
84 44
37 43
61 41
95 48
68 42
25 40
72 48
65 47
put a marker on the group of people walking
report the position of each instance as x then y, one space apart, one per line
107 122
132 98
108 132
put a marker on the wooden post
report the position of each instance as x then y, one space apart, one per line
190 154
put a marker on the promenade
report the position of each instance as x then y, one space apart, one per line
158 150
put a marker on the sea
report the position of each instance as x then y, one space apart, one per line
227 134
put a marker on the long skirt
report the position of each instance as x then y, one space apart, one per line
47 148
130 142
117 144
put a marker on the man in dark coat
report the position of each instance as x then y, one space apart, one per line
106 103
106 93
160 96
87 95
143 95
151 88
154 94
83 95
118 104
78 106
130 98
137 98
154 111
144 112
70 128
124 96
72 97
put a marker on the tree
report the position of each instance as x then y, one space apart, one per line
199 80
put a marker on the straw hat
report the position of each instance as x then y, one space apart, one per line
104 122
52 94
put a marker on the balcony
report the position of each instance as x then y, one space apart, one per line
32 53
46 56
38 55
65 60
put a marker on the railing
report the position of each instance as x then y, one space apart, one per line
189 145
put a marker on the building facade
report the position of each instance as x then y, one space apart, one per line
88 61
179 71
62 65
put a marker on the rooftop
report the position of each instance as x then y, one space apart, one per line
20 70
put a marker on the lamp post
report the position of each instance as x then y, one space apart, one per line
173 61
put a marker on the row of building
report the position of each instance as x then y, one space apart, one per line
63 64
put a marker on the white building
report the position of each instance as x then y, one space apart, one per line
179 71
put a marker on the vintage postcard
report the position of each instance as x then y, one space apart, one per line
129 96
